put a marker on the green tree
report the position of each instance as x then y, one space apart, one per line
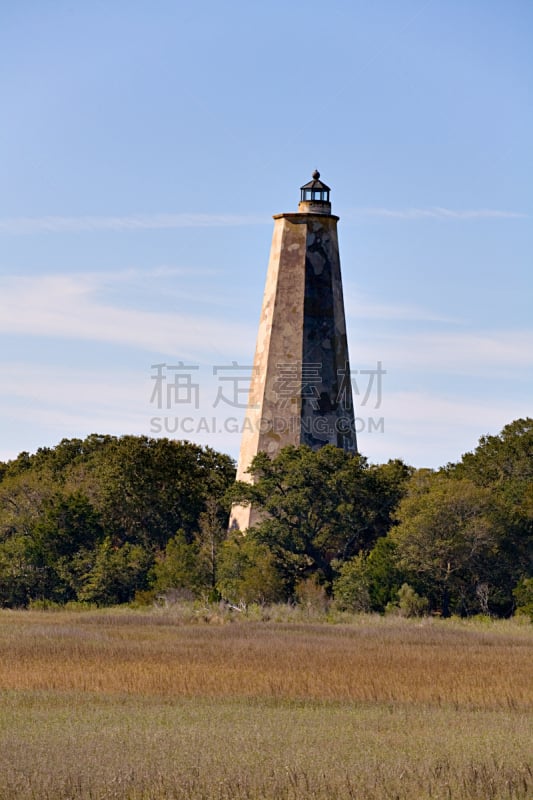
150 488
115 574
20 579
383 573
370 581
178 567
247 572
446 539
503 464
24 571
319 507
212 532
505 460
410 604
68 524
388 484
523 594
351 587
22 499
57 505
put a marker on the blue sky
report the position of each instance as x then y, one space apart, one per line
144 147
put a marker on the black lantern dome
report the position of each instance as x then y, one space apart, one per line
314 196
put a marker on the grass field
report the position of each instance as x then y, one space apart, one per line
130 704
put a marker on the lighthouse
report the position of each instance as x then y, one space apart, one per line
300 391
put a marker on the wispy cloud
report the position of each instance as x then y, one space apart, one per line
166 221
70 306
162 271
75 306
469 353
126 223
45 403
41 400
415 337
360 305
434 212
41 404
432 428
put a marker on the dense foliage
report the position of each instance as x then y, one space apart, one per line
322 508
87 520
465 537
107 520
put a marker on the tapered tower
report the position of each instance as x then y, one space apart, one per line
300 392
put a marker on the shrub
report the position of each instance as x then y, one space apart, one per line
351 587
247 573
410 603
523 595
312 595
178 568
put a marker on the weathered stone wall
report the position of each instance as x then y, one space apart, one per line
327 412
300 391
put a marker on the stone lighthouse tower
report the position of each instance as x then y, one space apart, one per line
300 392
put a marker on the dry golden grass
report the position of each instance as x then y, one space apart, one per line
139 705
391 660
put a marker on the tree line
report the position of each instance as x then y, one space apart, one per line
109 520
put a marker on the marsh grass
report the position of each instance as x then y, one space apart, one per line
142 705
